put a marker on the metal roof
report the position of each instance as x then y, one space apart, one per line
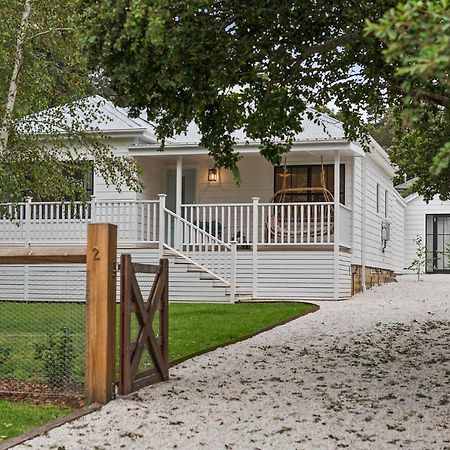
325 128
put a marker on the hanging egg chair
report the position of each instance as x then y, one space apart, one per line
289 222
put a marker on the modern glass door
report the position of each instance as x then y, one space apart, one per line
438 243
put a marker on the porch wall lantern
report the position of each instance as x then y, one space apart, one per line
213 175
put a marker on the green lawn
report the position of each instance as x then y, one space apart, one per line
16 418
194 328
197 327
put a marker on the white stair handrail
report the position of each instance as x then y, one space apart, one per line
215 256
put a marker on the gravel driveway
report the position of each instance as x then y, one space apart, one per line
372 372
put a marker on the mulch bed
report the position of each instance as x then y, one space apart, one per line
41 393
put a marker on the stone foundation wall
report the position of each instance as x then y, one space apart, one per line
374 276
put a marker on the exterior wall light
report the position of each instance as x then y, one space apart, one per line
213 175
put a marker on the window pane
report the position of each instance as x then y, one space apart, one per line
299 177
429 225
386 203
446 221
440 225
308 177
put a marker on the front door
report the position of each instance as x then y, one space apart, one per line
188 188
438 243
188 194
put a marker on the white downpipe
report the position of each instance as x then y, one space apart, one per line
162 225
233 272
337 161
178 201
363 224
255 247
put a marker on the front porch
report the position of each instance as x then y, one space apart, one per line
248 248
238 237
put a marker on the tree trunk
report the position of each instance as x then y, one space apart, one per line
12 91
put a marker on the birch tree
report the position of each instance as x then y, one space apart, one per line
46 155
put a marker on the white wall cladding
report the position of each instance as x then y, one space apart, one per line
295 275
281 275
153 177
102 191
357 210
262 185
345 275
415 221
59 283
391 258
398 236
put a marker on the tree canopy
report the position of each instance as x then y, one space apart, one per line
257 65
41 67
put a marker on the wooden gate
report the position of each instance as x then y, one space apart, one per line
132 302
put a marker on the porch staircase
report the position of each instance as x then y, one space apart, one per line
189 282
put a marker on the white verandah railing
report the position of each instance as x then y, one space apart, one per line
43 223
206 235
139 223
272 224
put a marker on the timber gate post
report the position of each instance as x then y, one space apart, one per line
101 254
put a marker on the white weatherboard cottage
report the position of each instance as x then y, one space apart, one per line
430 221
338 216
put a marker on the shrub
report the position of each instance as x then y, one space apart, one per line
57 355
5 354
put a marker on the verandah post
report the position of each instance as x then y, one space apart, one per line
233 272
101 254
93 210
255 247
27 222
136 221
337 192
177 232
162 224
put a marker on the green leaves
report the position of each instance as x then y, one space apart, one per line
417 38
44 151
251 66
254 66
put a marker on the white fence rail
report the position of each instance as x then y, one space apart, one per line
247 224
225 221
49 222
296 223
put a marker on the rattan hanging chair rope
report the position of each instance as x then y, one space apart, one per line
280 195
274 223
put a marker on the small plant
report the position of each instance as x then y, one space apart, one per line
57 355
421 260
5 354
447 254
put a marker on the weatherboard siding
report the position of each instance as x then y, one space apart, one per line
281 275
391 258
416 212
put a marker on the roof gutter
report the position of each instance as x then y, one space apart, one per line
243 147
